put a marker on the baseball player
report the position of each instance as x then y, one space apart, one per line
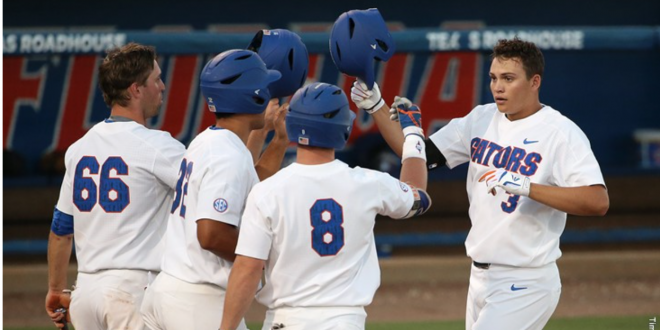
118 185
528 167
215 177
311 224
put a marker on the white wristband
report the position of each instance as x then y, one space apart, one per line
413 147
376 107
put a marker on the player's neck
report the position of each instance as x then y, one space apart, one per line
314 156
235 125
526 112
128 112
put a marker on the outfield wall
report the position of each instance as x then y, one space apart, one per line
603 78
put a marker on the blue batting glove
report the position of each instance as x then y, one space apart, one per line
409 115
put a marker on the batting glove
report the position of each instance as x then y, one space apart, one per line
369 100
394 110
409 115
510 182
410 118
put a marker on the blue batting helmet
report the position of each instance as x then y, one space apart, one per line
358 38
284 51
236 81
319 116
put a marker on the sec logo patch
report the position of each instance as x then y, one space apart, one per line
220 205
404 186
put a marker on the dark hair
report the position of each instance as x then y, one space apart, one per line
530 56
122 67
221 115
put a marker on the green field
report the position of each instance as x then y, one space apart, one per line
580 323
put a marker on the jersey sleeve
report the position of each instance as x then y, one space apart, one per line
255 237
167 161
223 191
576 164
65 201
453 140
396 196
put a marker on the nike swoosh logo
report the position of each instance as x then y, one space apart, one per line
514 288
529 142
373 46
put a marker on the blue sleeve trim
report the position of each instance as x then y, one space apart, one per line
62 223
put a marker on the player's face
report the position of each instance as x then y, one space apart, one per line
514 94
153 92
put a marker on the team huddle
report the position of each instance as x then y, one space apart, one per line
186 238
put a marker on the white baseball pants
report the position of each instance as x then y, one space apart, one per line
504 297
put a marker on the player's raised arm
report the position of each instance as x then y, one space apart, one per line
372 102
387 120
413 157
271 160
257 138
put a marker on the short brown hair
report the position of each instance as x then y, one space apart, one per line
530 55
123 66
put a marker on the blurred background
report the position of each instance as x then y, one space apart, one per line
602 64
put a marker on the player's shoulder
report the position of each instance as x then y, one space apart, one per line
81 145
564 130
561 122
155 137
484 109
482 112
366 175
222 143
271 186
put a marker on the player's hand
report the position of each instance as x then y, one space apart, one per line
369 100
269 116
409 115
279 123
510 182
55 308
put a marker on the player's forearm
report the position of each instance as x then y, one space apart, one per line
243 282
255 143
414 172
587 200
59 253
271 160
390 130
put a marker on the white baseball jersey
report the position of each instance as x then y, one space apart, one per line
216 175
314 226
118 186
548 148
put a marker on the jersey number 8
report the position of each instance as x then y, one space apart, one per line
327 218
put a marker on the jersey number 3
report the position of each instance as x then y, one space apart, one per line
113 195
327 218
